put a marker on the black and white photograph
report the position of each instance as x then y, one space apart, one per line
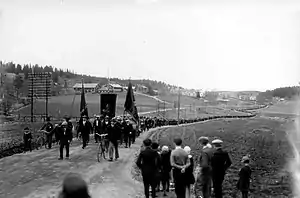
149 99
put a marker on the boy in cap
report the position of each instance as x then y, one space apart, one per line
74 187
27 137
220 162
244 177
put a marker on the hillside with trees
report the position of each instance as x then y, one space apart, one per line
67 78
282 92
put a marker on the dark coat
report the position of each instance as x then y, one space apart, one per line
243 183
220 162
27 136
113 134
148 162
97 126
85 129
189 172
65 134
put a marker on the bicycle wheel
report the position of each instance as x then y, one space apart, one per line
99 153
40 142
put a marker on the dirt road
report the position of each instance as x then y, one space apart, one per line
40 174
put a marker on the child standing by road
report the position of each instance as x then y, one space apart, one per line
27 137
244 177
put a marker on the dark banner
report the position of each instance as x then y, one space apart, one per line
108 104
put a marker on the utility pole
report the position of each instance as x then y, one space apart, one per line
178 118
31 95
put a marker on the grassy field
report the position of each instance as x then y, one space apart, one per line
62 105
263 139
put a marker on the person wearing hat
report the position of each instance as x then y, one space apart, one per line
220 162
204 169
48 128
128 130
85 128
97 128
27 138
65 138
148 163
74 187
113 135
243 183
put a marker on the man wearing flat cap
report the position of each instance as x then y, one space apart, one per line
220 162
74 187
204 167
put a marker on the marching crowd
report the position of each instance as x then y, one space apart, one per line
160 166
119 130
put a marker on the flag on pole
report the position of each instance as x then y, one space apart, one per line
129 104
83 105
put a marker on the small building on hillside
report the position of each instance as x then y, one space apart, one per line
142 89
113 86
88 87
155 92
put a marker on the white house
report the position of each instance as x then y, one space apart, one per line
142 89
88 87
114 87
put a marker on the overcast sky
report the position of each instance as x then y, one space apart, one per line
232 46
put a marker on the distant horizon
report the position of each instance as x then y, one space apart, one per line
120 78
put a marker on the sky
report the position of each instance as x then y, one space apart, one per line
234 46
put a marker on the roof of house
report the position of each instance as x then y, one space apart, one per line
85 85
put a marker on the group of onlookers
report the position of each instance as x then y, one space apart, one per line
160 166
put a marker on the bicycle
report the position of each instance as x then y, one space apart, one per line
101 153
42 140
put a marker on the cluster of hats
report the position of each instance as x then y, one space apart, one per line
205 140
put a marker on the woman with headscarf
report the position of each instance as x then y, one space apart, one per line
165 169
189 172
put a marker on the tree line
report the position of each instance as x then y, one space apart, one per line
282 92
60 77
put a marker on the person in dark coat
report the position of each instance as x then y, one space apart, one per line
48 127
165 169
189 172
74 187
155 147
148 162
243 183
113 135
65 138
97 128
220 162
85 128
128 130
27 138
